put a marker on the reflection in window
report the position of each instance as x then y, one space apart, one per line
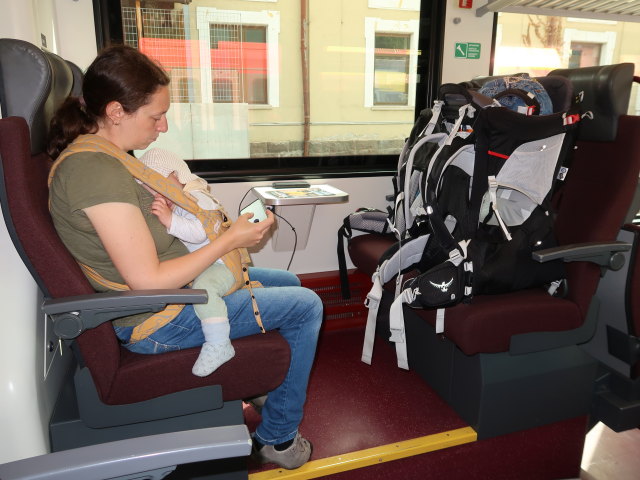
391 69
537 44
584 54
163 39
391 58
239 63
252 81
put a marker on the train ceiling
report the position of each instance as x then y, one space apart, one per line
621 10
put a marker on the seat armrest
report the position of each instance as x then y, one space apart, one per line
73 315
122 459
605 254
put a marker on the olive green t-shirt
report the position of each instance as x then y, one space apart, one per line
92 178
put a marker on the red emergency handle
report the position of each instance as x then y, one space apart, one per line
465 3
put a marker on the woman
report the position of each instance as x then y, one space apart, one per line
103 216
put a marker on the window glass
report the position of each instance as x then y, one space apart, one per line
537 44
391 81
264 79
238 63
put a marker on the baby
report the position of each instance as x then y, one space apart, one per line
217 279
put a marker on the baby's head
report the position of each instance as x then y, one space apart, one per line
169 165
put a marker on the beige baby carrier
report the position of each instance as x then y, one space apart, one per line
215 222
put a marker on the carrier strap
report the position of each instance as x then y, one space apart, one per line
493 195
442 234
407 255
215 222
396 326
440 320
401 202
373 303
435 116
343 231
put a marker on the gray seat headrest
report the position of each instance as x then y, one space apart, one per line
605 91
33 84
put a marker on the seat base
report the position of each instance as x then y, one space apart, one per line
66 431
617 401
499 393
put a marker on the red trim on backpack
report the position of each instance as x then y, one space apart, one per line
571 119
496 154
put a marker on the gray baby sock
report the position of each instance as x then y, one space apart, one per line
216 350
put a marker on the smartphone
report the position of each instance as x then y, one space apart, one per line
258 210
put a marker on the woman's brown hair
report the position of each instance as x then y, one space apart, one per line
119 73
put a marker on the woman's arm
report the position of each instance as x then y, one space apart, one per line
126 238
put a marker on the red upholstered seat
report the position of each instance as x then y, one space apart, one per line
365 250
113 393
487 324
246 375
113 369
109 393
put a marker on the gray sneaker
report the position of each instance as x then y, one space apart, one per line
257 403
293 457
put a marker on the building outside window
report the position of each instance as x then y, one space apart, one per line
585 54
391 69
239 63
537 44
256 79
391 57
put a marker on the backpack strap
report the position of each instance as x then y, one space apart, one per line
399 258
215 222
343 232
529 99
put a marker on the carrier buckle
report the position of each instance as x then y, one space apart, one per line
570 119
397 335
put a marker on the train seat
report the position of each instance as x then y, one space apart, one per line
111 393
525 341
616 343
633 311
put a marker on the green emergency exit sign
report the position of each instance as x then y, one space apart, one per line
467 50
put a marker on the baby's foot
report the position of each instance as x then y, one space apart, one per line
211 357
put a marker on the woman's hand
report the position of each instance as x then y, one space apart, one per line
245 233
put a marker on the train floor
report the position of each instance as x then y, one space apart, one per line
610 455
360 417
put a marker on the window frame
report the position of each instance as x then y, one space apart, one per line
108 25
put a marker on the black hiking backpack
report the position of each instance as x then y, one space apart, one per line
429 129
486 177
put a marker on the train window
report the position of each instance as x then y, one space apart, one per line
537 44
324 84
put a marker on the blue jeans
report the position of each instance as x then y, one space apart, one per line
294 311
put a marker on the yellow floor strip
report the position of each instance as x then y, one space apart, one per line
371 456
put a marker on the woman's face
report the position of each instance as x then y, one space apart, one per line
142 127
